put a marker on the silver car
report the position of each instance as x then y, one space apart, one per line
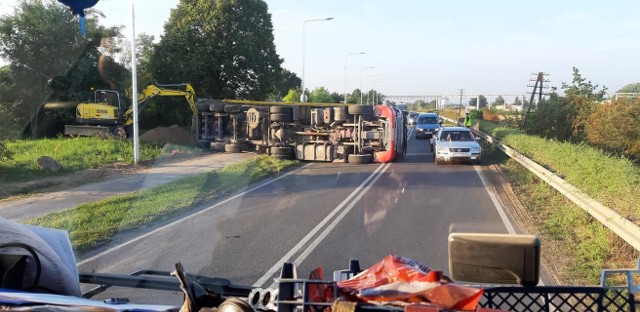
456 144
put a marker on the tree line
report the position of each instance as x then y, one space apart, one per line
223 48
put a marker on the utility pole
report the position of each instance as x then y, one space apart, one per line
539 85
460 107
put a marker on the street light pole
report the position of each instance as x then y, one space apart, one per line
303 98
134 86
346 90
375 93
361 73
369 87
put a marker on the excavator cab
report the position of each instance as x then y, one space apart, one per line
102 117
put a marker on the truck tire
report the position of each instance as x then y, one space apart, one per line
281 110
216 107
203 106
232 108
360 159
217 146
233 148
365 111
360 110
281 150
281 117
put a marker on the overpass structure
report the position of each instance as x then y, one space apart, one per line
445 99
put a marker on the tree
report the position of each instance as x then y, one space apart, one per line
292 96
229 44
337 97
630 88
581 87
499 100
474 101
580 100
320 95
354 97
286 81
39 60
517 101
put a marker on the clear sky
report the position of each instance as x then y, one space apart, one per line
438 47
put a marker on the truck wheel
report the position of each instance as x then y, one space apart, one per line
360 110
203 106
216 107
281 110
360 159
281 150
232 108
233 148
281 117
217 146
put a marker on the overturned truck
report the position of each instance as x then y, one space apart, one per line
306 131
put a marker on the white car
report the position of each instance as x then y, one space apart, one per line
456 144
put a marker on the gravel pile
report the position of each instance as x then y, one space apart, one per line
169 135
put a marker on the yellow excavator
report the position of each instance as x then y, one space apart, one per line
106 115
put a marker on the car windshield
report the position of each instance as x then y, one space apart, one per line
456 136
232 136
427 120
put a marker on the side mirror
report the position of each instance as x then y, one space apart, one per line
494 258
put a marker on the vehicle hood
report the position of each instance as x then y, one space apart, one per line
458 144
428 126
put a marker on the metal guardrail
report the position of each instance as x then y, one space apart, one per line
621 226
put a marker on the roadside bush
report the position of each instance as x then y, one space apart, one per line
490 114
615 127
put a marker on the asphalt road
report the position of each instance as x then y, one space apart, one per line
320 214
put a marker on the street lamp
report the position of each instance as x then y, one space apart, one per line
345 73
303 98
361 73
368 87
375 93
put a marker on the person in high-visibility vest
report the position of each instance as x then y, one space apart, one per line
467 121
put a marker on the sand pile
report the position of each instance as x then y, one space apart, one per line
171 135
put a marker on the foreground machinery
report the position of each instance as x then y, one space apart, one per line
107 114
306 131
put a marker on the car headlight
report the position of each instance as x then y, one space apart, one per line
475 149
443 149
420 129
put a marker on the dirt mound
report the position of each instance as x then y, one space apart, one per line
170 135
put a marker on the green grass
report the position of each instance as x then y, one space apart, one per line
92 223
583 244
73 154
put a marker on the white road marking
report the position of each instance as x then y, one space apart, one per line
501 212
320 226
496 203
337 220
129 242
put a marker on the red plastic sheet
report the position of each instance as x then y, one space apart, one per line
398 280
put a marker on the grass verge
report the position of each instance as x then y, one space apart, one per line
578 247
73 154
92 223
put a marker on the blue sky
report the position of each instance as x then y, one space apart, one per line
439 47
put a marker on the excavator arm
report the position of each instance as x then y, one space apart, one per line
153 89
